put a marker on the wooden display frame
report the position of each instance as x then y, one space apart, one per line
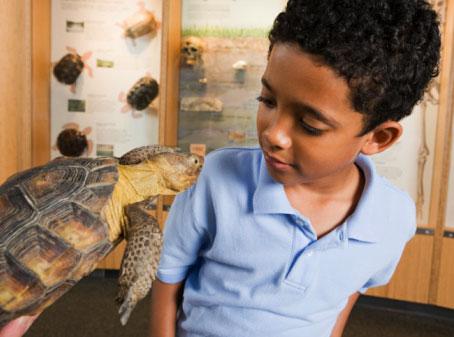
442 273
40 103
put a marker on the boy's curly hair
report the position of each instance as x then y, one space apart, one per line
386 50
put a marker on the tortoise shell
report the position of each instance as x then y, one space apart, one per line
51 232
143 92
68 69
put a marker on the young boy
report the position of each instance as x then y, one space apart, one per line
280 240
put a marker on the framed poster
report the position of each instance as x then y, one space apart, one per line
119 44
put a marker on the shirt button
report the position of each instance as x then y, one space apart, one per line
309 253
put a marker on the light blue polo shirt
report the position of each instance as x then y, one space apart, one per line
253 265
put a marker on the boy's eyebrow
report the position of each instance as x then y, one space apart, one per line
300 106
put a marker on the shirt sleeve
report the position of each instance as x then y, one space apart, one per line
382 277
183 238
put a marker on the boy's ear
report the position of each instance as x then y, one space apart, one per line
382 137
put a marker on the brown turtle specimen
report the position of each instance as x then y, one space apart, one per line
58 220
140 23
72 142
142 93
68 69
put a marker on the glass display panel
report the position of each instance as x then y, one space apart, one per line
223 57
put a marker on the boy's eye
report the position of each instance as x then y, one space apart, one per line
310 130
269 103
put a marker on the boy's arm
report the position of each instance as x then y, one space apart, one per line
165 301
343 316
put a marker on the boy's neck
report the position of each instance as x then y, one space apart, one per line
328 203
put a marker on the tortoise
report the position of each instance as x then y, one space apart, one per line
142 93
58 220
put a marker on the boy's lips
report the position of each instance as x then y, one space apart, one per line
276 162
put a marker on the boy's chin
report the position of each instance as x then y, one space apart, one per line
285 178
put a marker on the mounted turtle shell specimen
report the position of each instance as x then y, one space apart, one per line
72 142
68 69
143 92
57 221
141 23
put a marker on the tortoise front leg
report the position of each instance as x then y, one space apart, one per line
141 258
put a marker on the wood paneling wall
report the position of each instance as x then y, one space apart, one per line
440 182
24 94
41 66
15 84
170 74
445 284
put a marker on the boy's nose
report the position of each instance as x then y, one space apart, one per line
277 134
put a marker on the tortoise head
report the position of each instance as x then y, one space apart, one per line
179 170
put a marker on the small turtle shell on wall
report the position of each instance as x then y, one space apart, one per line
72 143
142 93
68 69
140 24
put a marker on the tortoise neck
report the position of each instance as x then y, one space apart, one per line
126 191
135 183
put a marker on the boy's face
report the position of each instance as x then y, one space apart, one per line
306 125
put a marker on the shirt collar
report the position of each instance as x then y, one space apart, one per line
368 221
269 196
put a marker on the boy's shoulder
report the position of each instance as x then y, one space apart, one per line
383 201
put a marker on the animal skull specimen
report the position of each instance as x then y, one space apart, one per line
192 49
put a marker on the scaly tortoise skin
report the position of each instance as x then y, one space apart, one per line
58 220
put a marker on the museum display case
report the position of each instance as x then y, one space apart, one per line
196 67
118 49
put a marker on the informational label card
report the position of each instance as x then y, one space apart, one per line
113 62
